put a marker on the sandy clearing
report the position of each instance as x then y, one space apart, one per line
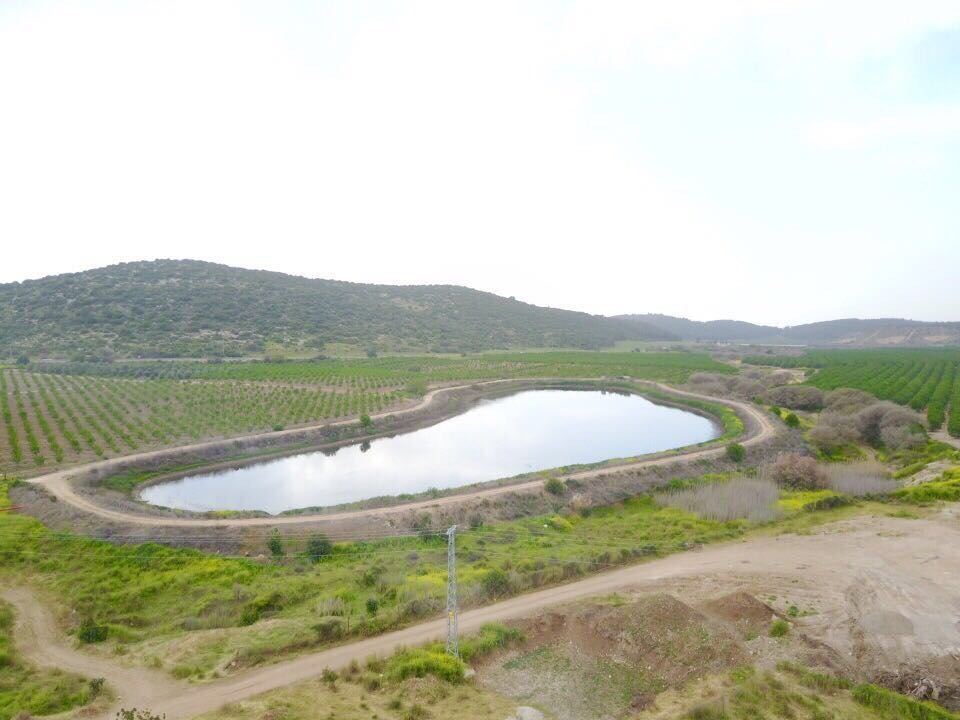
59 483
887 592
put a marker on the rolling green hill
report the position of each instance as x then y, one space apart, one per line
184 308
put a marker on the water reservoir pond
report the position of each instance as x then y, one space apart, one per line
497 438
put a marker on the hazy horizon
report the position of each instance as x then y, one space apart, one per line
774 162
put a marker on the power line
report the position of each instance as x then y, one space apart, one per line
453 643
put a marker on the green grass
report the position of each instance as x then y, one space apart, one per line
148 592
789 691
898 707
946 488
24 688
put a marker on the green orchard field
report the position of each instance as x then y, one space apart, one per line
922 379
55 414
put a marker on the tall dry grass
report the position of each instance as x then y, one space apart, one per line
739 498
860 479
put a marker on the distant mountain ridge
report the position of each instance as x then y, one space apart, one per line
850 332
183 308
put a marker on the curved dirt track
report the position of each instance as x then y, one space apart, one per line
40 642
59 483
885 589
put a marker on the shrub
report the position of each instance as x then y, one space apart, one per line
365 421
860 479
791 420
318 546
330 628
735 452
739 498
847 400
492 637
90 632
275 545
495 583
135 714
421 662
873 420
779 628
796 471
372 605
796 397
833 431
555 486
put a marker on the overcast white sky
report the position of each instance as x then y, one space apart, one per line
767 160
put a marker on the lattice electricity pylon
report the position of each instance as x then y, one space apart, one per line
453 646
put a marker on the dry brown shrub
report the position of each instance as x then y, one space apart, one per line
797 472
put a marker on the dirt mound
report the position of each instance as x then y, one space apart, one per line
742 610
601 660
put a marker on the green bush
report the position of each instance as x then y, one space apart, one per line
779 628
792 421
421 662
555 486
492 637
275 545
329 628
495 583
318 546
736 452
365 421
90 632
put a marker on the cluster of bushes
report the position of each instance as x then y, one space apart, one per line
796 397
853 416
740 498
748 384
802 472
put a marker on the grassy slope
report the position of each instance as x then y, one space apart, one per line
787 692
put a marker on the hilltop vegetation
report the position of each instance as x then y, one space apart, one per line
185 308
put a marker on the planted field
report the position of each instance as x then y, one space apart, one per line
923 379
49 419
74 412
386 372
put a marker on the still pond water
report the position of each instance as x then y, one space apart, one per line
498 438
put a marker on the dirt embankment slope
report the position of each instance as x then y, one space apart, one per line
62 484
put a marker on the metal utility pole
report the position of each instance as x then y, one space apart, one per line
453 647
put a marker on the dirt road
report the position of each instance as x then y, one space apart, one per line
886 591
39 640
59 483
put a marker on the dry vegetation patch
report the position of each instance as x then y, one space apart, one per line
603 660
